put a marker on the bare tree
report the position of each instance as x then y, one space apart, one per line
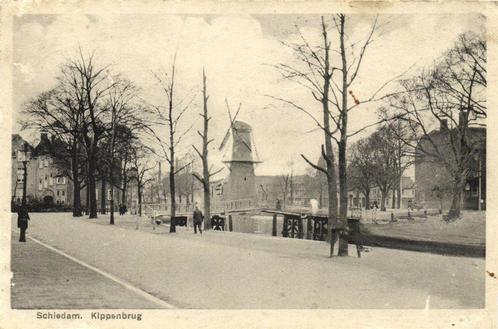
315 74
284 182
451 95
124 155
207 172
170 117
93 87
141 167
384 161
361 167
61 112
123 112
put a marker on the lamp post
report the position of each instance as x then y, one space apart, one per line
477 157
23 156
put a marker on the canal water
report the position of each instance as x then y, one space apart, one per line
258 224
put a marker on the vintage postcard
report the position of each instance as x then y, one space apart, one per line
248 164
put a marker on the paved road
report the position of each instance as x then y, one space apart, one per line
234 270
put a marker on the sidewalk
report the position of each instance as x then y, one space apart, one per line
43 279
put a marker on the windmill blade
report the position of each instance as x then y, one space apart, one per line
229 114
225 139
256 155
236 113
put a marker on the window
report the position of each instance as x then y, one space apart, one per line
61 180
40 163
51 180
109 195
40 185
45 182
58 192
63 193
475 191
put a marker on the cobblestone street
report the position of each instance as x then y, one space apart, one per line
220 270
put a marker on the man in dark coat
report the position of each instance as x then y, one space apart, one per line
198 217
22 222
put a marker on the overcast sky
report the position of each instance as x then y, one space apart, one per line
238 53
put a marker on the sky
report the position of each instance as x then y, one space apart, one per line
239 54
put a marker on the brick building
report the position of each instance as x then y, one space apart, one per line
433 182
45 182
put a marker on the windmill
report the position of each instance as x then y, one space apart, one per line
241 184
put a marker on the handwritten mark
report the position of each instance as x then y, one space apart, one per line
356 101
491 274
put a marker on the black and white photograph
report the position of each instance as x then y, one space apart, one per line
256 160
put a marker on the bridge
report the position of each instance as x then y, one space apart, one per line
297 222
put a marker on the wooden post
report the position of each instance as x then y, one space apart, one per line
300 231
285 232
292 226
230 223
274 226
308 228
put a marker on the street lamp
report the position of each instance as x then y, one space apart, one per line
24 156
479 177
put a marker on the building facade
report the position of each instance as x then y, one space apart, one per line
434 183
45 182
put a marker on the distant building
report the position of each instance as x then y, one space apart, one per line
433 182
407 194
45 182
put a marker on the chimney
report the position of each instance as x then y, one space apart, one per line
443 124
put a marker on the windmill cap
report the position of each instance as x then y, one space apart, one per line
240 125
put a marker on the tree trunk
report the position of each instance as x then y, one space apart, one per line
207 209
87 208
456 202
399 195
367 200
393 203
76 188
102 196
111 195
92 189
383 200
139 194
172 227
123 194
343 185
332 206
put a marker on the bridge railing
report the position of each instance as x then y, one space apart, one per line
234 205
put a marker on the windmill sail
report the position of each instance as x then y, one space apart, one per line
225 139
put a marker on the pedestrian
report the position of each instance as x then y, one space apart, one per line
198 217
22 222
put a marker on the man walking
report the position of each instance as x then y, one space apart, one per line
22 222
197 220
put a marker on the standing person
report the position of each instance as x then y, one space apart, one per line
197 220
22 222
